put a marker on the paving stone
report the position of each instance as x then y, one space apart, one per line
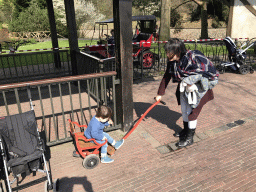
173 146
223 128
163 149
202 135
196 138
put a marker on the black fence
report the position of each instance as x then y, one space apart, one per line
20 67
58 99
149 59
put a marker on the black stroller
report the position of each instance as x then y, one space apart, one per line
22 149
236 58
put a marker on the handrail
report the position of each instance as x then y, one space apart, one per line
96 58
57 80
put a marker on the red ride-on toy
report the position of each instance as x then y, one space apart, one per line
90 150
85 148
142 39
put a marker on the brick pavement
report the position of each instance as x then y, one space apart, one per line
223 157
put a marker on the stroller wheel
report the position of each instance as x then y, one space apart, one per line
244 69
48 187
251 70
220 69
91 161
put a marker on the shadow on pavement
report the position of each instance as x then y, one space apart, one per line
160 113
66 184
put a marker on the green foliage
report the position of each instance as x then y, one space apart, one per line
33 18
216 10
6 10
176 20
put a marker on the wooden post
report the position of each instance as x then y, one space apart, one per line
230 17
72 34
122 11
54 37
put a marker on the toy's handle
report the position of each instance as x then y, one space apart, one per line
161 101
138 122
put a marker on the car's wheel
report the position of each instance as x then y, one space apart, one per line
148 60
91 161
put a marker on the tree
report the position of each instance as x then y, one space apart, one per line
143 5
30 19
165 20
33 18
216 9
6 11
86 12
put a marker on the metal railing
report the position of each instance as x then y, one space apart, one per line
215 50
20 67
59 99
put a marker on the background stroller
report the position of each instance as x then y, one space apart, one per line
22 149
236 58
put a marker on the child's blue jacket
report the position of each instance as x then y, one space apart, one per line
95 129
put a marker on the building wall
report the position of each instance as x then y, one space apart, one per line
243 22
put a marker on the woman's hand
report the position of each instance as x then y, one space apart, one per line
158 97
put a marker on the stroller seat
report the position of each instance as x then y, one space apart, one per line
21 146
236 58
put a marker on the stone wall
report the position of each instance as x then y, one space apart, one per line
190 34
243 21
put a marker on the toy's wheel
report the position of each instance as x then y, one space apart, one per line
91 161
244 69
220 69
148 60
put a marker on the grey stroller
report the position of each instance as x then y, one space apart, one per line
236 58
22 149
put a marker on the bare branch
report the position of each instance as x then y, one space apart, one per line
198 2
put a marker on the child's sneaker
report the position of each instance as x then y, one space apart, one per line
106 159
119 144
75 154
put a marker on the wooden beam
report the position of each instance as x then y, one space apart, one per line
249 6
230 18
72 33
54 36
122 10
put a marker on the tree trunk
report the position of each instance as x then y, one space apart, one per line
165 20
204 23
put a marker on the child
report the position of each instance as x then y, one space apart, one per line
95 131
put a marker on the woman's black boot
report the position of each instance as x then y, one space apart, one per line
188 139
183 132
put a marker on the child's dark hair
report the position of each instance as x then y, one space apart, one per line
104 112
176 47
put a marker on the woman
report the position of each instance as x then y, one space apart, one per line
196 76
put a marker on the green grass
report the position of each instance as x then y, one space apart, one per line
62 43
43 58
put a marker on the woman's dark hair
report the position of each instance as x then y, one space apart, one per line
104 112
176 47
